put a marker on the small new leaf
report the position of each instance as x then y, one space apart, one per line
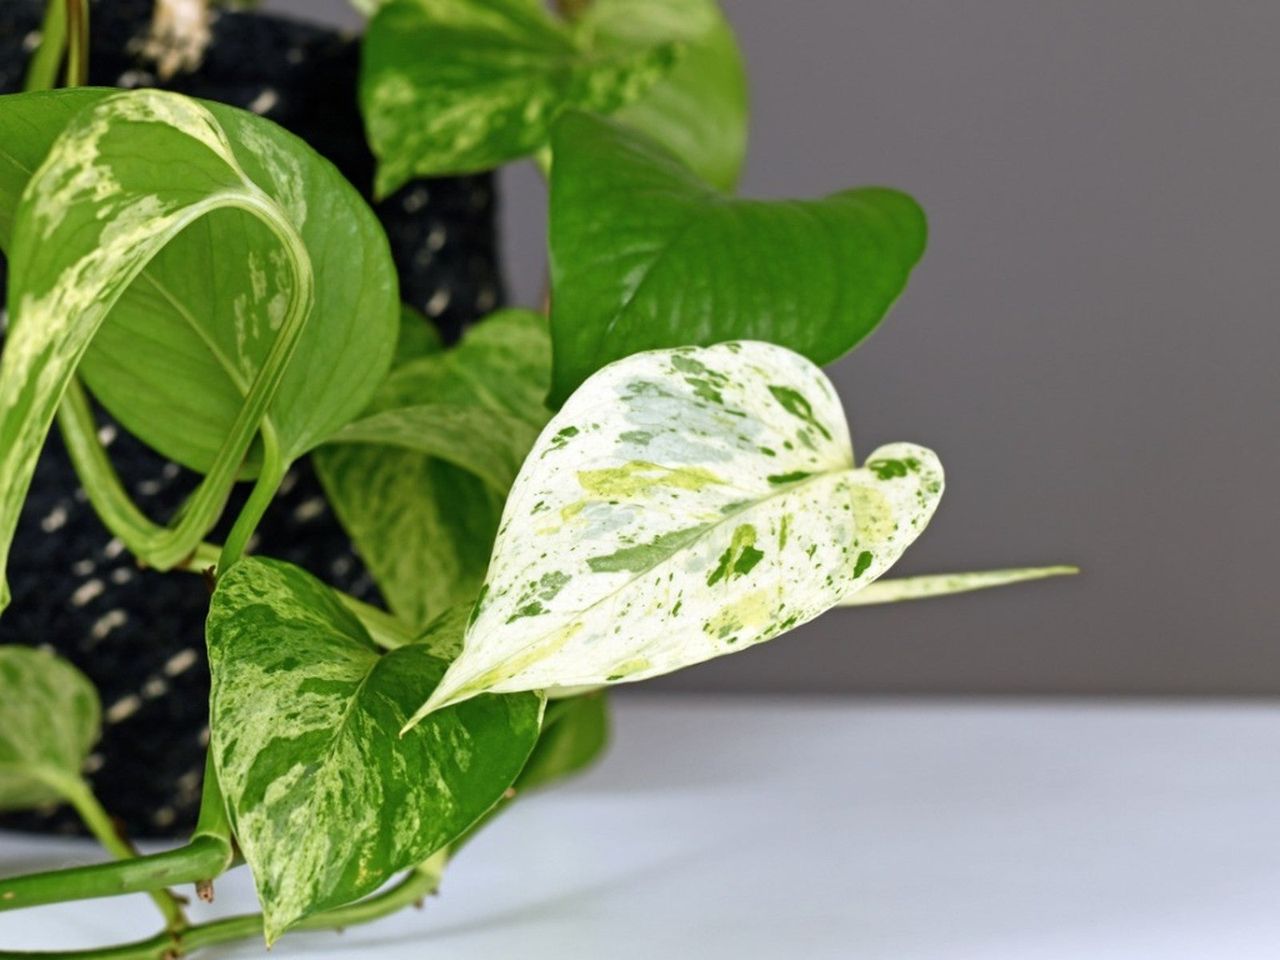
49 720
646 531
325 797
644 255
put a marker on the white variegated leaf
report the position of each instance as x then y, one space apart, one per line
682 505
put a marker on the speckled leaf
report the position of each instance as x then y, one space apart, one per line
684 504
326 799
644 255
49 720
455 86
165 242
945 584
425 526
699 110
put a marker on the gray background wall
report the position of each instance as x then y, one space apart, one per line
1090 344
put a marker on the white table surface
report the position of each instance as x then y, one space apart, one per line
902 830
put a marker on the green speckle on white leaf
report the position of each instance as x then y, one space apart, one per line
682 545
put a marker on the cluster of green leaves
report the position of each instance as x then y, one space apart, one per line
656 474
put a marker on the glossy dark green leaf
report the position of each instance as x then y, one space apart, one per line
452 86
644 255
699 110
49 720
575 732
326 799
424 524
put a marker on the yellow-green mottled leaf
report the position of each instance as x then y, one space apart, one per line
425 524
644 255
49 720
684 504
699 110
454 86
326 799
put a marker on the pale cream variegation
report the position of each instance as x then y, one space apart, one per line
684 504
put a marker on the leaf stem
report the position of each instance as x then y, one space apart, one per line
200 859
419 883
77 24
270 474
42 71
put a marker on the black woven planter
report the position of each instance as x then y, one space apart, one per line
139 634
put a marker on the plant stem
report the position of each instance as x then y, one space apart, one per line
200 859
419 883
81 797
42 72
77 22
270 474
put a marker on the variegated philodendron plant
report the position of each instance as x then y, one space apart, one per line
654 473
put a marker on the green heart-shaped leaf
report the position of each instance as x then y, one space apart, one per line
418 509
699 110
644 255
49 720
454 86
684 504
326 799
